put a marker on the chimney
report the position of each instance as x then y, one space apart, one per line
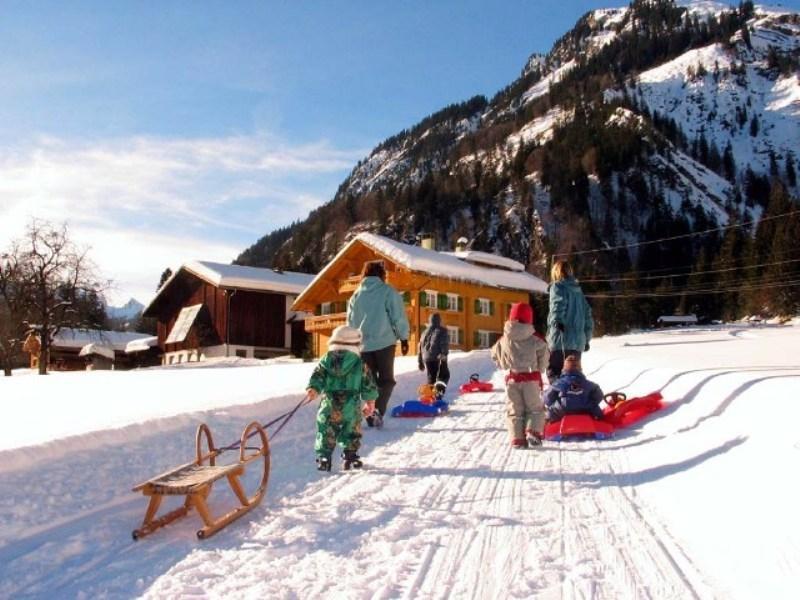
427 241
461 244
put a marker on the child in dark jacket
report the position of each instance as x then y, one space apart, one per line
524 353
434 345
347 388
572 393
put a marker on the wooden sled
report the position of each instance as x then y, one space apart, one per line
195 480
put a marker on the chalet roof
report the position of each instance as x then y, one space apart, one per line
98 349
142 344
78 338
238 277
496 271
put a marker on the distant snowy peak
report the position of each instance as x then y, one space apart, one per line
129 310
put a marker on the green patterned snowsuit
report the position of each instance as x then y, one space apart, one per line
344 382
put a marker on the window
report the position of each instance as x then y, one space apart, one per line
429 298
485 339
241 353
455 335
326 308
452 302
484 306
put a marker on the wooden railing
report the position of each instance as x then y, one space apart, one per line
325 322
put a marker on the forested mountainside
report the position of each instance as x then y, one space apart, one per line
660 120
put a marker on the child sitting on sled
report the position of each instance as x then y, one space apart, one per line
572 393
524 353
348 390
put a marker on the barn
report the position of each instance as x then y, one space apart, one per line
472 291
208 310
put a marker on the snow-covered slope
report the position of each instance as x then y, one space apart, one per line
696 502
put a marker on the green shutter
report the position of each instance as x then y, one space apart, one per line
477 306
460 337
476 339
406 297
491 307
441 301
318 310
460 304
423 299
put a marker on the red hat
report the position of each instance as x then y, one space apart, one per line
521 312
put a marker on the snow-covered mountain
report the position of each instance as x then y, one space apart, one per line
643 121
130 310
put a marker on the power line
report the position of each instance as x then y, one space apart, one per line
677 237
696 292
690 274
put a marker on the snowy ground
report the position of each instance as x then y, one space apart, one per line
697 502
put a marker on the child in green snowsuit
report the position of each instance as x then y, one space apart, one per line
348 390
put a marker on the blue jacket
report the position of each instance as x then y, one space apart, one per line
572 393
377 310
568 305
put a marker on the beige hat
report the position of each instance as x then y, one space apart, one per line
345 338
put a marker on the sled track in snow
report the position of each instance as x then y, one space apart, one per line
450 510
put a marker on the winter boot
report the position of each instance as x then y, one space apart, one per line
534 438
351 460
375 420
324 463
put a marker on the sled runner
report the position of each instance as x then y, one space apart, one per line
195 480
618 413
476 385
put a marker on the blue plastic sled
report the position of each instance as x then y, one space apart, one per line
415 408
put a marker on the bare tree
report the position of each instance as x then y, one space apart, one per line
13 310
54 283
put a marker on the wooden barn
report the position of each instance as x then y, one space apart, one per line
207 310
473 291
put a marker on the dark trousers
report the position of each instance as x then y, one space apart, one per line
381 363
557 363
437 371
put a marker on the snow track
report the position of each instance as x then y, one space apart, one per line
449 510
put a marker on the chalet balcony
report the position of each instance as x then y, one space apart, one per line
398 280
325 322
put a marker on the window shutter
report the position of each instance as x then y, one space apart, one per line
460 339
441 301
460 304
491 307
423 299
477 306
406 297
476 339
318 310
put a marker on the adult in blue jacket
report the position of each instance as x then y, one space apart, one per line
569 322
378 311
573 394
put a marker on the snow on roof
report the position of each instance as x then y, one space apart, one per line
78 338
141 345
488 260
445 264
183 324
99 349
251 278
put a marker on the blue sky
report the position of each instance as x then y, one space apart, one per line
170 131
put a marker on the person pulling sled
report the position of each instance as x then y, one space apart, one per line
347 391
524 353
434 346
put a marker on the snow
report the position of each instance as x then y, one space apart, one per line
698 501
542 87
251 278
141 345
539 130
491 260
98 349
78 338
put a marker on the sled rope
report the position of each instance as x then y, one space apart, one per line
284 418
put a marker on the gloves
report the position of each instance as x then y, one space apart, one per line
560 327
404 347
586 349
421 366
312 394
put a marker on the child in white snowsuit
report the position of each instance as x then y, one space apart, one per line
347 388
524 353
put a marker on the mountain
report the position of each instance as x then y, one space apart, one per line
129 311
658 120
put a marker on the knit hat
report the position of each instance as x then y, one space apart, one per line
522 312
345 338
572 363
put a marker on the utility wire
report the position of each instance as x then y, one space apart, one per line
677 237
715 290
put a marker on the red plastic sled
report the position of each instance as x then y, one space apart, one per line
475 385
619 412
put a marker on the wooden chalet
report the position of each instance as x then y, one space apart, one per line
207 310
472 291
90 349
